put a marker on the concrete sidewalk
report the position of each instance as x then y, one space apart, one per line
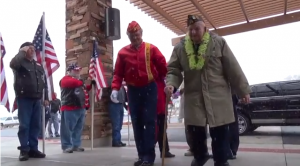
249 155
127 155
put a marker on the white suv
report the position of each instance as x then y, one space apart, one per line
9 121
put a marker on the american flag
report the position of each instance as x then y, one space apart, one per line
48 59
96 72
4 94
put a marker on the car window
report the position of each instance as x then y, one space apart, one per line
291 88
9 118
268 90
3 118
253 91
16 118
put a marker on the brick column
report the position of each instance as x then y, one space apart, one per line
82 24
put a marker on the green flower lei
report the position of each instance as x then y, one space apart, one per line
189 49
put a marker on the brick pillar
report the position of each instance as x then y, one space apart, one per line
82 24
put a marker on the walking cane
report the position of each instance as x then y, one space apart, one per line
92 117
128 130
165 131
43 121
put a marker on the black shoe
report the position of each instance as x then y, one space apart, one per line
138 162
78 149
200 162
123 144
23 156
68 150
118 145
221 164
57 135
231 157
210 155
36 154
146 163
168 155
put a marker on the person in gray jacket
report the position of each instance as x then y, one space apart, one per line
116 112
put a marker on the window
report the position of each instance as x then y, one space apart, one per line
9 118
253 91
291 88
16 118
268 89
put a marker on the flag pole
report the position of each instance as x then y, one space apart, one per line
43 64
92 111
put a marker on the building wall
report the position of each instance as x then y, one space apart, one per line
83 22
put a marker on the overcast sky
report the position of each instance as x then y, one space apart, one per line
265 55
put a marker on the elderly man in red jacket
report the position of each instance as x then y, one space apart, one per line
161 115
75 102
139 64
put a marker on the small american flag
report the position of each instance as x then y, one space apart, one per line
48 59
4 94
96 72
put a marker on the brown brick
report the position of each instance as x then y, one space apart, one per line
76 26
69 44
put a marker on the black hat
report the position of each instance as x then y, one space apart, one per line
26 44
73 66
193 18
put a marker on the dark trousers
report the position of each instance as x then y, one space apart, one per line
142 106
234 139
116 112
29 114
160 133
219 137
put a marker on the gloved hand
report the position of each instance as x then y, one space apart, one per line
114 95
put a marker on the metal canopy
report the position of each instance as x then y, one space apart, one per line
220 14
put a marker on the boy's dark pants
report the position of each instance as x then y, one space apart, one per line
142 107
29 114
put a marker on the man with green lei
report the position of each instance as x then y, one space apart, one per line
211 71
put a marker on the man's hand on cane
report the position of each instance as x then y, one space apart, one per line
169 90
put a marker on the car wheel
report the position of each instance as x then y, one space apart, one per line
244 123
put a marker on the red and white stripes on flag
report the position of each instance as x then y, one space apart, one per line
45 55
4 94
96 72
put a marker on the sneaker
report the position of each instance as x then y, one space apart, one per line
68 150
36 154
188 153
57 135
138 162
23 156
78 149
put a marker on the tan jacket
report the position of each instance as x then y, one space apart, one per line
207 95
